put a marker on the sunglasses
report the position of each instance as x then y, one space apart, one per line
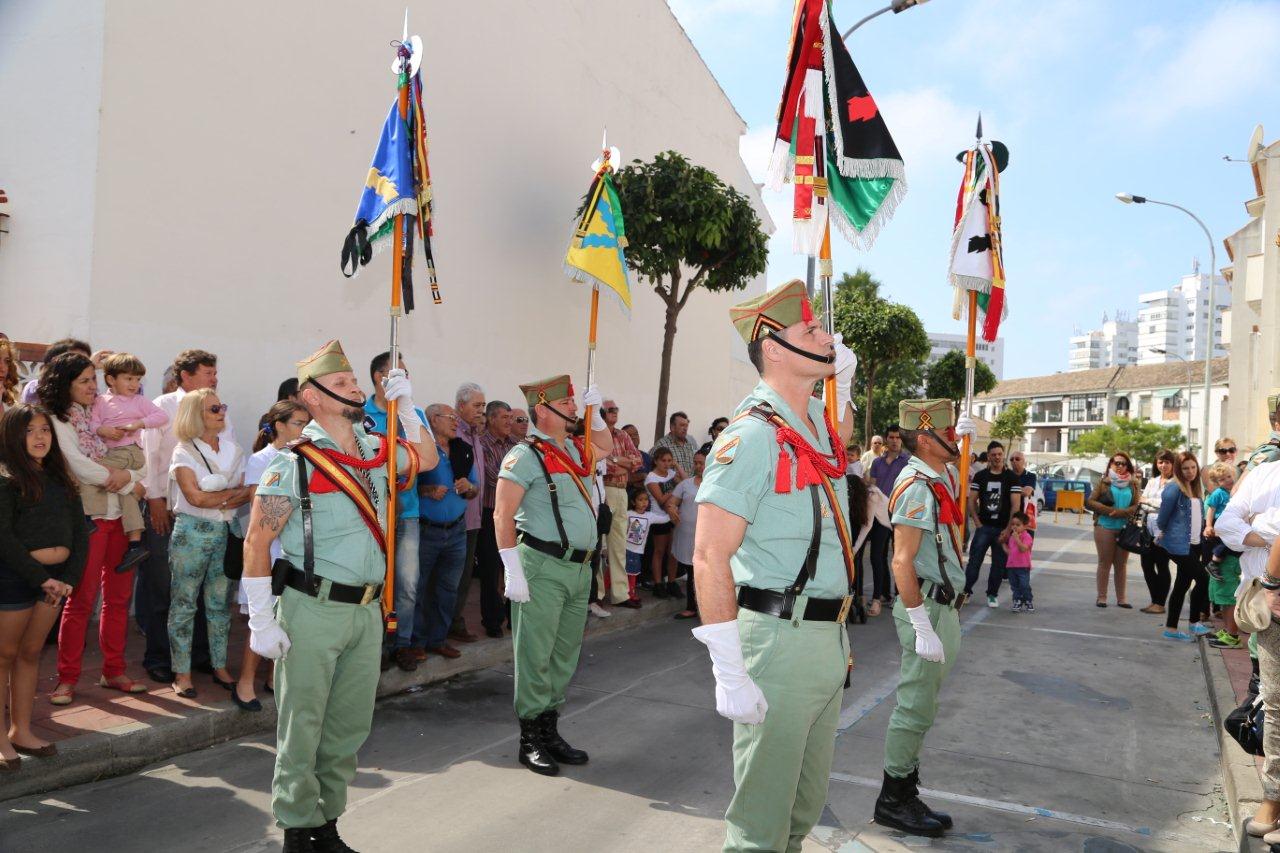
1225 450
453 418
219 409
522 420
611 410
1123 462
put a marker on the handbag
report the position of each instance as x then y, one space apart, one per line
233 559
1253 613
604 519
1135 537
1244 724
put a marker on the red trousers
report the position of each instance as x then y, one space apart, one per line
107 545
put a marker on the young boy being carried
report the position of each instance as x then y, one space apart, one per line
1018 547
119 416
1224 564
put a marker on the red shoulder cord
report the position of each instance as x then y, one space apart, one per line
547 447
379 460
811 464
948 509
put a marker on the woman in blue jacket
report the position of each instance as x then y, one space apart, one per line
1178 528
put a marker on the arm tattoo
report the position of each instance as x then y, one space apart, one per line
273 511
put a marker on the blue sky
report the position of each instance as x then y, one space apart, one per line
1093 97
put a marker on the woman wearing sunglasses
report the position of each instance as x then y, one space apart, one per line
1113 503
206 479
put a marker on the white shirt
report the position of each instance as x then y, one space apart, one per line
203 460
254 468
1151 499
1254 508
655 509
638 524
158 444
686 530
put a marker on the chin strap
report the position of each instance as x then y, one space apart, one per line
821 359
568 420
357 404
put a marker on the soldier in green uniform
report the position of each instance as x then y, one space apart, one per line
773 564
326 629
544 516
1270 451
927 525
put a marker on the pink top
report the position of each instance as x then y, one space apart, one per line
114 410
1019 559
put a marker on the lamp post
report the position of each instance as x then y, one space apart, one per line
1188 364
1210 337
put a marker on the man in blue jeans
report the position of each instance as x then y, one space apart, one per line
995 493
442 542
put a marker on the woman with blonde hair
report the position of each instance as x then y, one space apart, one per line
205 488
1179 526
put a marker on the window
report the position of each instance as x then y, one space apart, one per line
1122 406
1074 433
1085 407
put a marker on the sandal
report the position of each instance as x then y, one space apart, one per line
184 692
123 683
873 607
1100 603
63 694
1152 608
1124 604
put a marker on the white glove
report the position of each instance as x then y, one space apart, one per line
966 426
737 696
396 387
213 482
846 364
928 644
517 587
595 400
266 637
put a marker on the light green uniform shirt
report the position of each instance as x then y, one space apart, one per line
1264 453
740 478
345 550
917 506
534 515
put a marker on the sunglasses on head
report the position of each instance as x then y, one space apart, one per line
1225 450
521 420
218 409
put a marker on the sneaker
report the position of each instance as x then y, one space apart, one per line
1180 636
1214 570
992 601
1200 629
1017 607
1028 607
1225 641
133 555
598 611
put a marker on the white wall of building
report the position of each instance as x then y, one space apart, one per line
990 354
1175 320
194 187
1113 345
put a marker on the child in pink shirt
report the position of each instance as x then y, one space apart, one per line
119 416
1018 563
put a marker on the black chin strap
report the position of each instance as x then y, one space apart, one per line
568 420
356 404
821 359
953 449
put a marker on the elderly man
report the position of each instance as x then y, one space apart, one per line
1026 482
875 449
326 630
470 404
519 424
624 459
497 441
682 447
881 473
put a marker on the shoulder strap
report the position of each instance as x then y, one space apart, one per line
898 491
308 531
551 489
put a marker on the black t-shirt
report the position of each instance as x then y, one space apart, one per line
1026 478
994 492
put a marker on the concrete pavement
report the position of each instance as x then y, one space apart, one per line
1074 728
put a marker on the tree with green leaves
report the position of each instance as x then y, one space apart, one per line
883 335
944 379
1140 439
686 229
1011 424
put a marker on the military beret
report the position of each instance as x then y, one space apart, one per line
328 359
547 390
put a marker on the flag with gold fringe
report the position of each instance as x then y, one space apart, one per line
977 250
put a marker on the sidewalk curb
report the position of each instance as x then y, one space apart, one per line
115 752
1240 781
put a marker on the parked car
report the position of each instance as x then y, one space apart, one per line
1053 485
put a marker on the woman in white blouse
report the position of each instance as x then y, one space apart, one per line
205 488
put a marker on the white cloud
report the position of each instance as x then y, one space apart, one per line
1230 57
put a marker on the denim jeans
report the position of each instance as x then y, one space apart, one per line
1020 584
407 571
985 537
441 556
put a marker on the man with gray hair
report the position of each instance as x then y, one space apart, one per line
470 405
495 441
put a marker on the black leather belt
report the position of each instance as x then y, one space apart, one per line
339 592
551 549
772 603
444 525
938 593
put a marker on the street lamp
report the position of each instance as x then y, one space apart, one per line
1210 337
1188 364
895 7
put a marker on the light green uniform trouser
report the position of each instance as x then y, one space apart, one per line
781 767
325 688
547 630
918 686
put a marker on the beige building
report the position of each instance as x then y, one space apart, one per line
182 175
1254 275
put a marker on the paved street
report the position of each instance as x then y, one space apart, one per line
1074 728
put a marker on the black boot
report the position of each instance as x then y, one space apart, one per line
324 839
298 841
899 808
533 753
556 745
941 817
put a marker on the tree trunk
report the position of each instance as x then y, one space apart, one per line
664 374
866 423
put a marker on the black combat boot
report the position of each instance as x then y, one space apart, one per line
556 745
899 808
324 839
533 752
941 817
298 841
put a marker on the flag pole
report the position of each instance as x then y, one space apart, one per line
970 365
829 318
589 449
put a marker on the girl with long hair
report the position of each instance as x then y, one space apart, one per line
1179 523
1155 560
